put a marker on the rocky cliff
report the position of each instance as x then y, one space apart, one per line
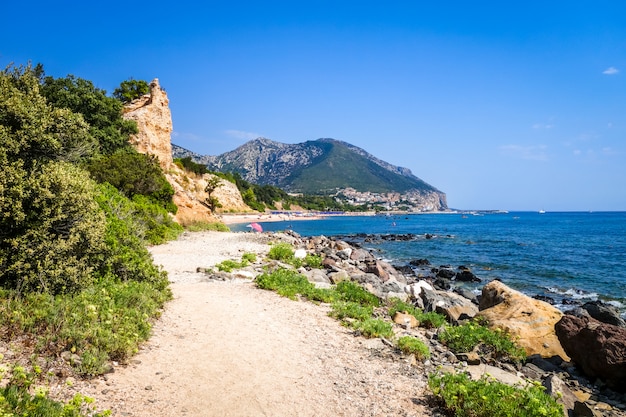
152 114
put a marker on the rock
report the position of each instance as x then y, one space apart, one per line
337 277
584 410
506 377
299 253
419 262
360 255
415 289
377 268
446 273
558 390
464 292
316 275
604 312
328 263
453 306
599 349
529 321
406 320
471 358
467 276
344 253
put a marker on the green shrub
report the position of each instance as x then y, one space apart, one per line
351 291
466 337
189 165
249 257
54 242
281 252
409 344
133 173
463 397
290 283
17 400
347 309
125 256
313 261
374 328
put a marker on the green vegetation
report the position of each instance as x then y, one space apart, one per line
468 336
342 310
281 252
428 320
290 283
410 344
230 265
130 90
211 201
463 397
134 174
190 166
77 208
372 327
353 292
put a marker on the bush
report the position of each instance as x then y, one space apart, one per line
289 283
463 397
133 173
54 244
467 337
125 256
409 344
347 309
281 252
353 292
374 328
313 261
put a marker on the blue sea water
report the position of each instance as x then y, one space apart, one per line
567 256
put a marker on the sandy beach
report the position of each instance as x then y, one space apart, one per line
226 348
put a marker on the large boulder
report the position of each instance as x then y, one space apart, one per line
599 349
530 322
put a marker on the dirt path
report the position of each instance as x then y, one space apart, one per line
230 349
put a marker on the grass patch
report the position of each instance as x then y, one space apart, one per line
353 292
105 322
466 337
409 344
372 327
462 397
428 320
289 283
229 265
348 309
281 252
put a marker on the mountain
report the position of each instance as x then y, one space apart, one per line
323 166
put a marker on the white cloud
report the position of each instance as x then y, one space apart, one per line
610 71
240 134
532 153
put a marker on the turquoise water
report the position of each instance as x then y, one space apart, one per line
570 255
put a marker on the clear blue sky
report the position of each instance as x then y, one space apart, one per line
502 105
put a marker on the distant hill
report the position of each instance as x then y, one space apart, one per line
323 166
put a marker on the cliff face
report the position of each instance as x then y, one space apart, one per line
154 120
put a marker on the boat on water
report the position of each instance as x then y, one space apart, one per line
542 212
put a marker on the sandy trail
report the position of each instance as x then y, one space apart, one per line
230 349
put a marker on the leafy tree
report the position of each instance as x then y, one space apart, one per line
189 165
133 174
211 201
130 90
102 113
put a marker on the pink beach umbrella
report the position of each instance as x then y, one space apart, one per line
256 226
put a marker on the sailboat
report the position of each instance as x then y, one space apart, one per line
542 211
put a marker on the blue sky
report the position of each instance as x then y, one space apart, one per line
516 107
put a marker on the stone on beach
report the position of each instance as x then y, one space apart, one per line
598 348
530 322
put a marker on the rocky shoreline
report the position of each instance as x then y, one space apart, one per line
580 357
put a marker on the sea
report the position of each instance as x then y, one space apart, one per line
570 257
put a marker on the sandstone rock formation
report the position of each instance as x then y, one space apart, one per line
528 320
152 114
